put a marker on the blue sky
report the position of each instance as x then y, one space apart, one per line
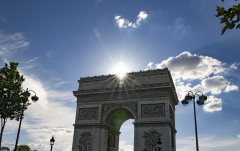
57 42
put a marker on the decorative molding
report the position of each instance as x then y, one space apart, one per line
124 95
88 113
131 105
150 76
171 115
85 142
152 110
151 139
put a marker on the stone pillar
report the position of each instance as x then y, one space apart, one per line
147 135
89 139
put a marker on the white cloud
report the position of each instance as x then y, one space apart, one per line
188 66
150 64
215 85
117 17
208 144
32 60
234 66
49 116
142 16
238 136
231 88
52 114
213 104
10 43
124 23
124 147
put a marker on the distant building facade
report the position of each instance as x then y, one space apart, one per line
104 104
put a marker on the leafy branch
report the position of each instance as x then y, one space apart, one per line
230 17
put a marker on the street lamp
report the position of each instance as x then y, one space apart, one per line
159 144
34 99
191 96
52 140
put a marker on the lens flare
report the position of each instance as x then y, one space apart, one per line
120 82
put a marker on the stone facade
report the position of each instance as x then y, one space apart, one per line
103 105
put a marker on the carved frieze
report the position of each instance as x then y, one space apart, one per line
152 110
88 113
124 95
151 139
85 142
113 80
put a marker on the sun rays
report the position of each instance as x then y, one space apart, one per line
120 69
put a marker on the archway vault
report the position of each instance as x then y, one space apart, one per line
148 97
118 116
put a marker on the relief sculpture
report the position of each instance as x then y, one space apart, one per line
152 110
85 142
88 113
151 139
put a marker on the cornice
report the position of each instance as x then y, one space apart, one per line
135 82
139 73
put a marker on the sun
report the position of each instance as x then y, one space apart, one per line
120 69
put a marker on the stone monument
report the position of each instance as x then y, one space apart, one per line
104 104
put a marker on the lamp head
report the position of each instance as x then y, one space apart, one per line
185 102
34 98
159 143
188 97
200 102
203 97
52 140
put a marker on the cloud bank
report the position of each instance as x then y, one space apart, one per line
187 68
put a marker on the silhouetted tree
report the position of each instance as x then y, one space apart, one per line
23 148
230 17
11 95
4 149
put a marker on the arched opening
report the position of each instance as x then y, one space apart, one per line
126 139
120 117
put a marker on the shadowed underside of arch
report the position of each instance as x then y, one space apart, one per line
117 117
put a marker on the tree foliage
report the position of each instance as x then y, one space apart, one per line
23 148
4 149
230 17
12 96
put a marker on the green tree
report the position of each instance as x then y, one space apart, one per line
230 17
4 149
23 148
12 95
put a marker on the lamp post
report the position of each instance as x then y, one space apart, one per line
34 99
52 140
191 96
159 144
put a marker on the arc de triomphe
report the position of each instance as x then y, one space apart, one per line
104 104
